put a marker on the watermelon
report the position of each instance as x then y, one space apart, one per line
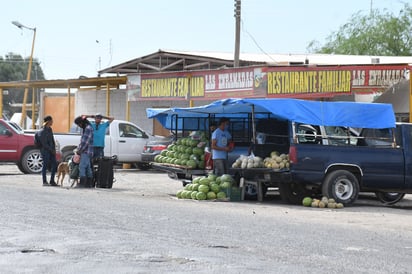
226 178
212 177
225 185
204 181
203 188
201 196
211 195
193 195
191 163
307 201
215 188
179 194
221 195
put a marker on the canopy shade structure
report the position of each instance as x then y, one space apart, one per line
349 114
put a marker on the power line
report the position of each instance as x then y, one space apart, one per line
255 42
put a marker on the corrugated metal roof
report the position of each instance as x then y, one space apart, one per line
398 96
318 59
177 60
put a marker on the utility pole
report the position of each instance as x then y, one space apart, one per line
237 38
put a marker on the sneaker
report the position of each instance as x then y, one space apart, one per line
53 184
46 184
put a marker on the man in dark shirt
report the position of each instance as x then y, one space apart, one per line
48 150
85 150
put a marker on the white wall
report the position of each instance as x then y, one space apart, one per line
92 101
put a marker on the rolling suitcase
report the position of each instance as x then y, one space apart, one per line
104 173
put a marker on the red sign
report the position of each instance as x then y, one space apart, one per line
297 82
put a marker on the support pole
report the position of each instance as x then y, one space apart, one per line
237 38
107 100
69 112
33 108
26 90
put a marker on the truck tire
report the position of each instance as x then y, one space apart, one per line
342 186
389 198
293 193
31 162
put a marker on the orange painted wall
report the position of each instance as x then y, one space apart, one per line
58 108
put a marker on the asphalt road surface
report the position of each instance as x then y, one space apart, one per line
139 226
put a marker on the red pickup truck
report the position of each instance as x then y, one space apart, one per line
17 147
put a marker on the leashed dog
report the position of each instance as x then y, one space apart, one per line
62 170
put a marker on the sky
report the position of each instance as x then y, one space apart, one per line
78 38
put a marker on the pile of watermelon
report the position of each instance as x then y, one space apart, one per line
209 187
188 152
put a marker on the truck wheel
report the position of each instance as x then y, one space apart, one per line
143 166
251 192
389 198
31 162
293 193
342 186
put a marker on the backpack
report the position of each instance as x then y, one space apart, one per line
37 142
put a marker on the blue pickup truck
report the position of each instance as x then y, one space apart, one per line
335 149
341 163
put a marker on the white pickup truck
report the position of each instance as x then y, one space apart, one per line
123 139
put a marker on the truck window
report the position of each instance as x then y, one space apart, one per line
129 131
307 134
340 136
3 129
377 137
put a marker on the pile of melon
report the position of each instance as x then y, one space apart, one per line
248 162
277 160
325 202
209 187
187 152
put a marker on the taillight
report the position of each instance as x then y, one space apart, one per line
293 155
153 148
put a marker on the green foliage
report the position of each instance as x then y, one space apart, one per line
13 67
378 33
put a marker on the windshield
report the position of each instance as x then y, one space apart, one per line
15 126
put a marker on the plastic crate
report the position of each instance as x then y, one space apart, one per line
235 194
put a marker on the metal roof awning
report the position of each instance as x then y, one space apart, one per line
69 83
162 61
173 60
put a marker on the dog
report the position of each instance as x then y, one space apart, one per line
62 171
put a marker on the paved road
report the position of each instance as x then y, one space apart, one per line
138 226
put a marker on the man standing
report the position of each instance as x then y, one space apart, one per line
85 150
99 133
48 150
220 147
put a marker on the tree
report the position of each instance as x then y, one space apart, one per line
378 33
14 68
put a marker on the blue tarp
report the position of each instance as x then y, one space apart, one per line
350 114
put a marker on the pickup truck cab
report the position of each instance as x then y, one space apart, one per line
123 139
340 164
17 147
